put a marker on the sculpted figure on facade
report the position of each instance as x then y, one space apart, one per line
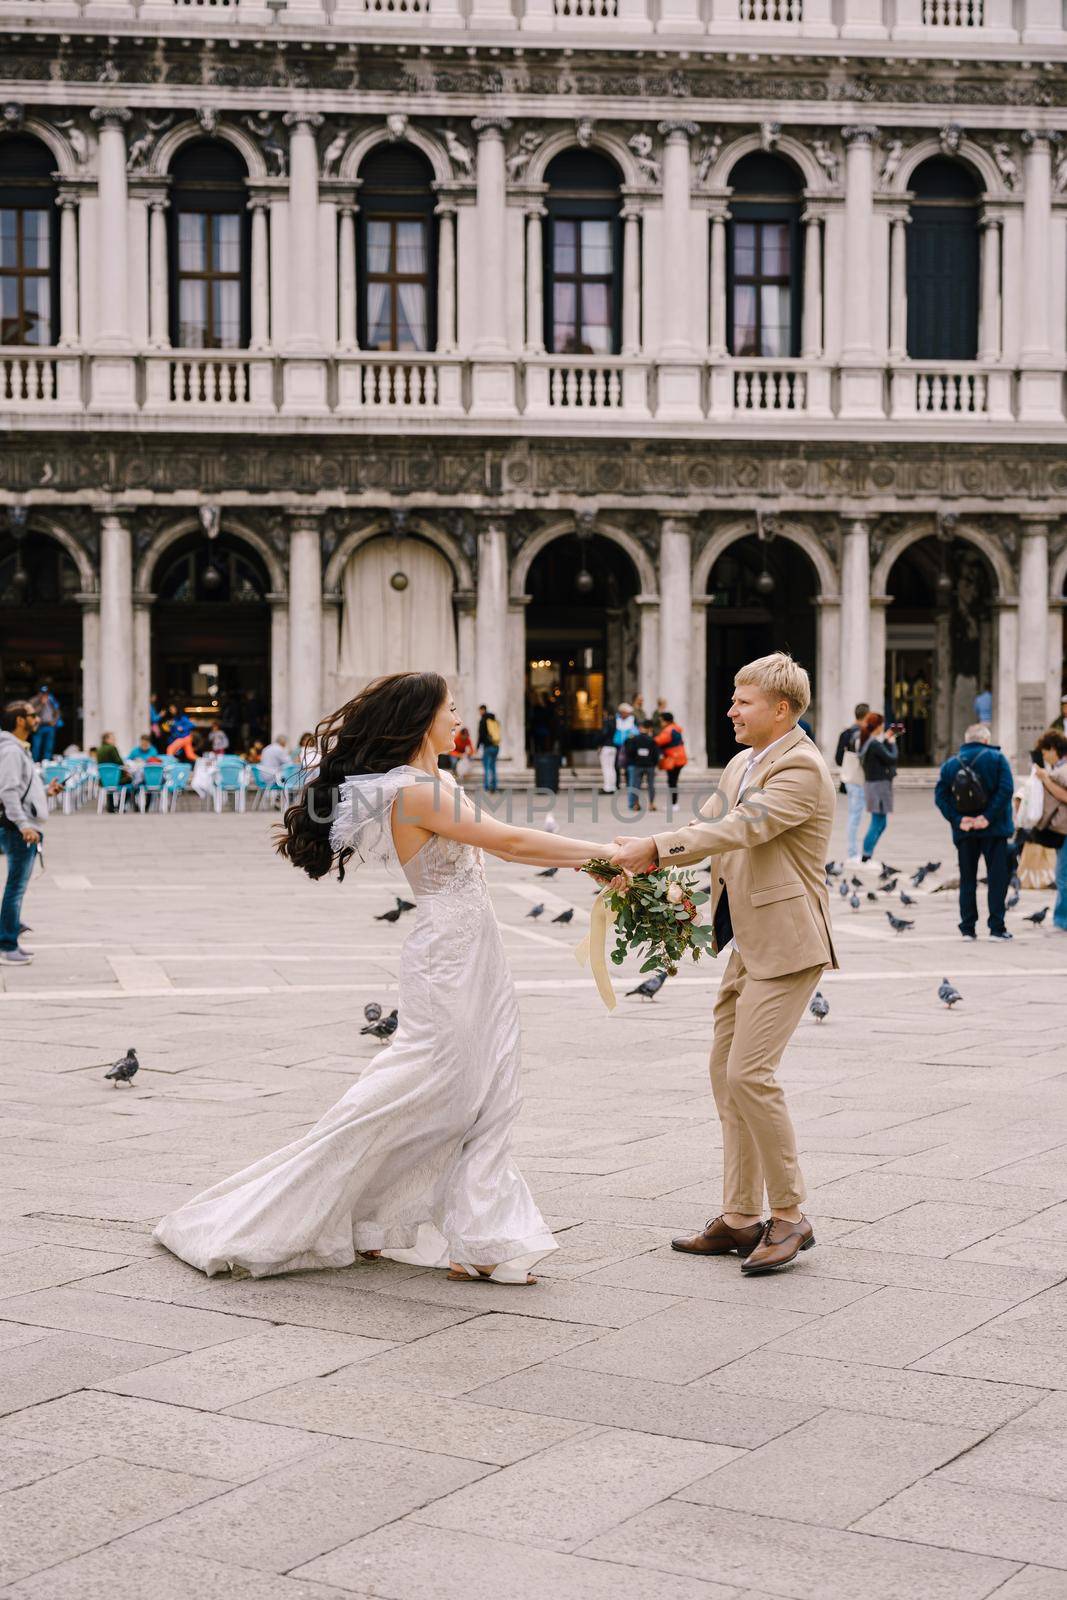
707 156
1006 163
459 154
141 148
647 165
335 149
530 141
827 160
261 126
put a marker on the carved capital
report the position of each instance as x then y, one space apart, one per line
110 116
859 133
677 129
495 125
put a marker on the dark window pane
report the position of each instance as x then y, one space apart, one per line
192 242
8 238
744 249
37 298
36 240
774 313
226 307
745 320
596 317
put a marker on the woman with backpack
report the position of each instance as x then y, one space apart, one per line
671 741
489 745
878 758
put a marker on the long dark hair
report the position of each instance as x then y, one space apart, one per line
382 728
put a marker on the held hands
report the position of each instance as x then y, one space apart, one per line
634 854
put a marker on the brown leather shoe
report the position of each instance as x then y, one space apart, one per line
781 1243
719 1239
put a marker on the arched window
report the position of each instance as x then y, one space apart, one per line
397 250
582 255
29 258
942 256
764 258
210 305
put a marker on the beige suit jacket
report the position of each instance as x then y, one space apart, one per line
769 852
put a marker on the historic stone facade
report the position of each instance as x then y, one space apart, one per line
643 338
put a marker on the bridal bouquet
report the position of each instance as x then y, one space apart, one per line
655 915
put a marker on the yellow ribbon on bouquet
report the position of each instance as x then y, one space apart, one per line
591 951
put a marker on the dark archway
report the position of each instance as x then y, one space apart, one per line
940 644
761 598
41 626
211 633
582 643
942 262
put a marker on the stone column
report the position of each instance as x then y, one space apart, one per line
811 328
1033 630
113 326
348 288
1040 381
859 221
717 283
491 618
260 274
304 332
142 660
446 277
68 268
279 665
1005 690
898 286
492 371
830 714
631 280
879 605
491 338
158 310
861 378
465 602
989 333
116 629
90 663
535 293
1054 671
696 729
679 373
675 615
855 611
305 623
648 649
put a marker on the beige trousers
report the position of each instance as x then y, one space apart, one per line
754 1021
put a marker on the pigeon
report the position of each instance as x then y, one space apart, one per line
949 994
1037 917
854 900
404 905
123 1071
898 924
820 1006
651 986
384 1028
888 888
843 891
857 883
906 899
1009 905
389 916
932 866
549 872
872 896
565 916
888 871
917 876
372 1011
833 870
536 911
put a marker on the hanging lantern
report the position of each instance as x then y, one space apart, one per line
211 578
399 582
765 582
584 582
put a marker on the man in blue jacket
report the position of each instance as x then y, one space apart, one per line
974 793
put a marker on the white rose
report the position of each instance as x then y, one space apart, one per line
675 893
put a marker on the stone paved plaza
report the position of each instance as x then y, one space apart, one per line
886 1421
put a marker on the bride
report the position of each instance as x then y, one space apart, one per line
414 1161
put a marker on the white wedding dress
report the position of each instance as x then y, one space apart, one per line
415 1159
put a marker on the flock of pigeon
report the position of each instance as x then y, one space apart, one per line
888 884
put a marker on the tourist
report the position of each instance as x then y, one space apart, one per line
1052 748
673 755
180 724
642 759
1060 724
254 753
155 719
186 748
878 758
973 794
625 725
489 736
49 722
609 778
275 756
847 759
983 705
107 755
23 810
462 752
143 750
218 740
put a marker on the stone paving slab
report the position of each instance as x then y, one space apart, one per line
883 1421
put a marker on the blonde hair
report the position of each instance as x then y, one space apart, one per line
780 678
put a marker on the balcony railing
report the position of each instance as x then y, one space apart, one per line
388 383
585 386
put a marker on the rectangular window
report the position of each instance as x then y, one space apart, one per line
25 276
762 307
398 283
209 280
583 286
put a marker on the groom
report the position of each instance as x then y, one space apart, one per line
770 909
